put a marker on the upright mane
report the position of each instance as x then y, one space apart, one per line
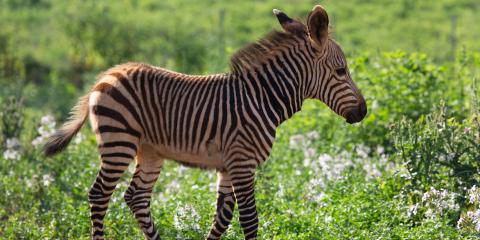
258 52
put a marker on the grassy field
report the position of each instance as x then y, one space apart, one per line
408 171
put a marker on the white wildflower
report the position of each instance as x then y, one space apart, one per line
186 218
212 186
309 153
29 182
315 183
12 143
46 180
430 213
290 212
315 189
470 220
11 154
297 141
173 186
114 198
371 170
12 151
313 135
78 139
281 191
473 195
307 162
46 129
181 169
333 168
345 154
362 151
162 197
439 202
324 159
318 197
324 169
413 210
375 104
380 150
47 120
38 140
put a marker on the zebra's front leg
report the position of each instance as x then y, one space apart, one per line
139 193
225 206
243 182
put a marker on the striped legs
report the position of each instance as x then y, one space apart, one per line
139 193
225 206
243 182
113 166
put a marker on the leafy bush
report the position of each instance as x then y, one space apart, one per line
439 151
11 115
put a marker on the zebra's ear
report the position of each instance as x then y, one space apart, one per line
317 25
288 24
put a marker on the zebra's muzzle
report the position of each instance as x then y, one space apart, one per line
356 114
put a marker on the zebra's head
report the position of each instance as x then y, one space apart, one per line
329 78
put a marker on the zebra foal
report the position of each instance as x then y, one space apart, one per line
224 122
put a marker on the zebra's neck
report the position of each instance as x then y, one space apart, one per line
275 87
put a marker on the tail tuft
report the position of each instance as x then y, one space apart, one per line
57 142
62 137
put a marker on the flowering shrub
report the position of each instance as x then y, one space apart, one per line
45 130
12 149
11 113
470 219
186 218
439 202
439 151
325 168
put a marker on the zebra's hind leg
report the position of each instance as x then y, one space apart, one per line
225 206
113 166
138 194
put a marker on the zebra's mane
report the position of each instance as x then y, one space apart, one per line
256 53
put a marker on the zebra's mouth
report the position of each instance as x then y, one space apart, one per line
356 114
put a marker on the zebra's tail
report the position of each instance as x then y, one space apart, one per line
62 137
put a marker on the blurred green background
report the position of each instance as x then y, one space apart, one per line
51 50
409 170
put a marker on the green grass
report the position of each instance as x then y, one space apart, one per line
325 179
352 207
408 171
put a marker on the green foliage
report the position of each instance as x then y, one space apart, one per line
439 151
408 171
71 42
11 115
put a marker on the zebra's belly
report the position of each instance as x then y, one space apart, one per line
208 156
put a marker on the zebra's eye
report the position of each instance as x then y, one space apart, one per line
341 71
